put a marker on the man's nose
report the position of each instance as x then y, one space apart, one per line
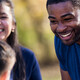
61 27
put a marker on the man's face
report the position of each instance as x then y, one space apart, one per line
65 21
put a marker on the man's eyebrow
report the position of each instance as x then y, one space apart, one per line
69 14
51 17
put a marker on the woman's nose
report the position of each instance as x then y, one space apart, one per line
0 21
61 27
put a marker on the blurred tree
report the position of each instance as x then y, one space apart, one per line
33 29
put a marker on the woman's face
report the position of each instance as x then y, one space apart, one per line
6 23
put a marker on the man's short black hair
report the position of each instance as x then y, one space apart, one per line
76 3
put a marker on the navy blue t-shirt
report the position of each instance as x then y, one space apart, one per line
32 66
69 58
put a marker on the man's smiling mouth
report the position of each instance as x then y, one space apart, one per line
65 36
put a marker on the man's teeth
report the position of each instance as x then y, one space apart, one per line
66 35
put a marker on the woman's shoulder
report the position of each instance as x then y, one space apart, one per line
27 54
32 66
26 50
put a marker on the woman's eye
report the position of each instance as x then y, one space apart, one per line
3 17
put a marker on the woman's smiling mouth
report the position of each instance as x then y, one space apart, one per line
1 30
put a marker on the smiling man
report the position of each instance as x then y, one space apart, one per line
64 16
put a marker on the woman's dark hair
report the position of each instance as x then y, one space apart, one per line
76 3
19 67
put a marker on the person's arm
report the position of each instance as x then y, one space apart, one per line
35 74
62 52
65 75
31 65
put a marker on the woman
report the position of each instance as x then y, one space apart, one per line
26 66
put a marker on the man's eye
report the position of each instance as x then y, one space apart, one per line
54 22
68 19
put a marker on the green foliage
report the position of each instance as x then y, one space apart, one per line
34 30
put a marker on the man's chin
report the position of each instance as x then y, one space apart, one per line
68 43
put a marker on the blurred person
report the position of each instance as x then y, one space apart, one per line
7 60
64 17
26 66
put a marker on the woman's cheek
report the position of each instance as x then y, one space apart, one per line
5 23
6 26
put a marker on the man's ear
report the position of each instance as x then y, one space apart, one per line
4 76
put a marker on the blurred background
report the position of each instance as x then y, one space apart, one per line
34 33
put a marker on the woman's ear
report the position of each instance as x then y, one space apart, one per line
14 24
13 28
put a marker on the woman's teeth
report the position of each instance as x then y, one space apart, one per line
1 30
66 35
